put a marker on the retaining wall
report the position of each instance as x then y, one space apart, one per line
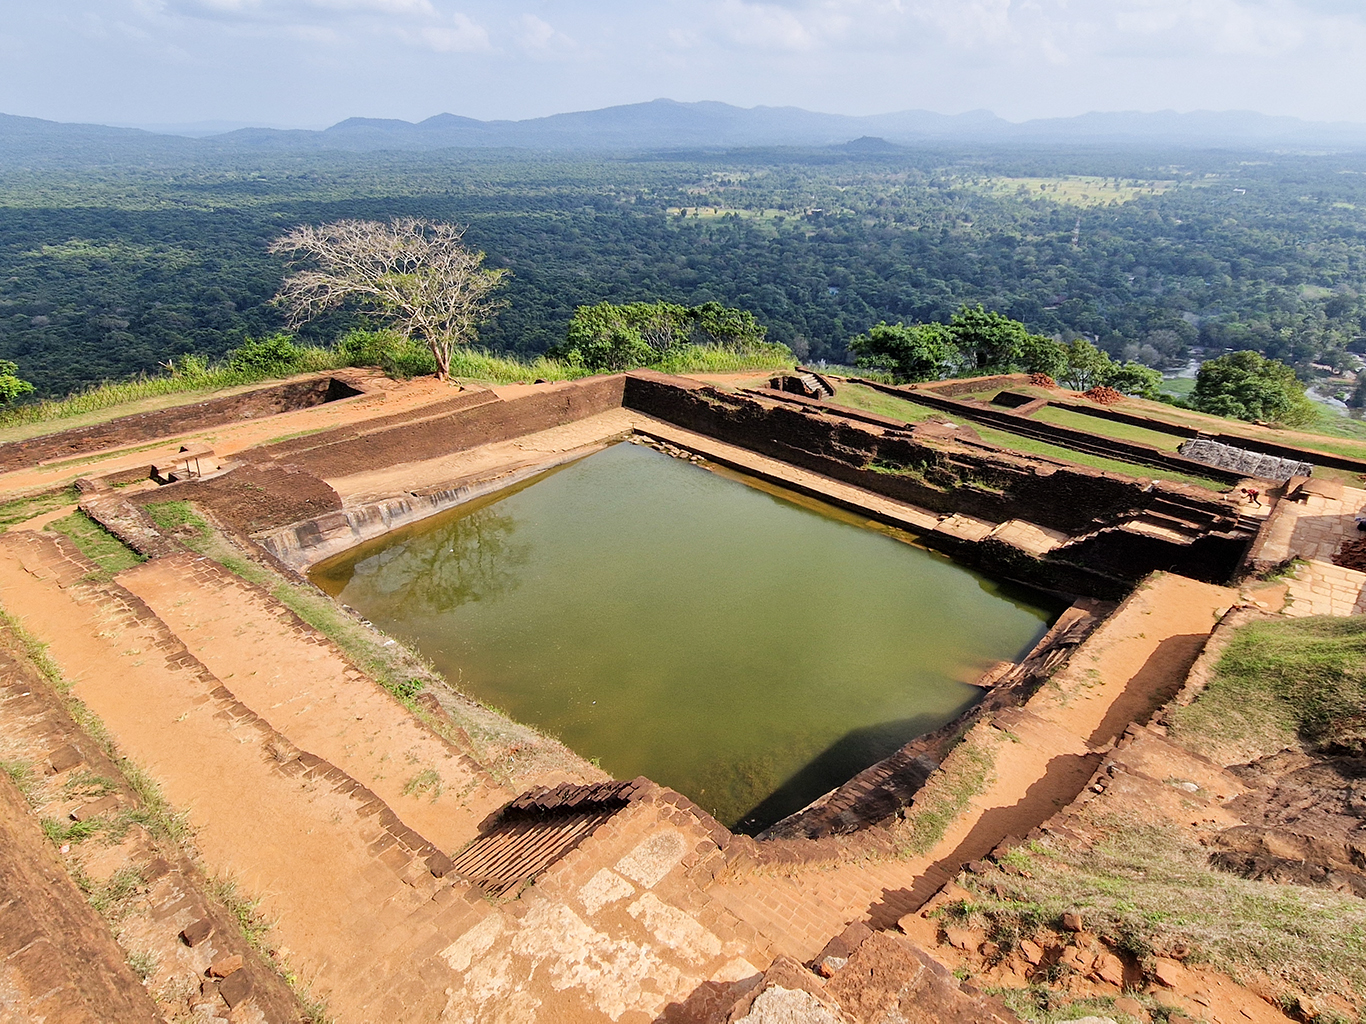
945 479
1066 437
483 420
147 426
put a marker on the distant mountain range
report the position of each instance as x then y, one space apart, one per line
666 124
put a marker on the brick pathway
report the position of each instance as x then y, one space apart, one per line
1312 528
1321 588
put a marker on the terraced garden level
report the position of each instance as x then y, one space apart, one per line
747 647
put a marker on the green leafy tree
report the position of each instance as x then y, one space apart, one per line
617 336
1135 379
1042 355
992 340
11 384
915 353
1086 365
1249 386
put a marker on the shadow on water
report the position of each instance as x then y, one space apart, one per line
472 558
833 767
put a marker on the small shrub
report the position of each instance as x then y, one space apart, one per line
144 963
411 359
273 356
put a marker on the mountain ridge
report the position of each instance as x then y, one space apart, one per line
665 124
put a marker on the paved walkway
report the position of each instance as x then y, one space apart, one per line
1314 527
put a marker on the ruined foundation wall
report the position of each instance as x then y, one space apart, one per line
947 479
334 454
147 426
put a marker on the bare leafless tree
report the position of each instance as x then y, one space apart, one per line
417 274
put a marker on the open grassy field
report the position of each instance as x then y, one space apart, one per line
1074 190
1108 428
1280 683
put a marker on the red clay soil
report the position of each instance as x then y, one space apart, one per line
1101 394
1352 555
255 498
58 960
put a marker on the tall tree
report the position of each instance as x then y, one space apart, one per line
417 274
1248 386
909 353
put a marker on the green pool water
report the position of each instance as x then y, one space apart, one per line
750 648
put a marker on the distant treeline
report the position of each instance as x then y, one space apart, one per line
112 270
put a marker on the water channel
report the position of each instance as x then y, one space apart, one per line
748 647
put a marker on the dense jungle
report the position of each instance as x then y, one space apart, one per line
111 265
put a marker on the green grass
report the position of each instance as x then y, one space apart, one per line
172 515
20 510
1148 887
115 393
472 365
97 544
1108 428
22 774
1180 387
870 400
859 396
1280 683
1029 446
964 774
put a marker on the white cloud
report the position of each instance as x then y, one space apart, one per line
457 34
538 35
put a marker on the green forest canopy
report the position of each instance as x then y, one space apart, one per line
113 270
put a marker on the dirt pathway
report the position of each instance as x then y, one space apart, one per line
339 876
301 683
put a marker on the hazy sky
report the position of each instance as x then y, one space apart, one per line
313 62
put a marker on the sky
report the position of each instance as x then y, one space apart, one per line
311 63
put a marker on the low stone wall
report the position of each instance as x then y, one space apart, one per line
147 426
484 419
303 545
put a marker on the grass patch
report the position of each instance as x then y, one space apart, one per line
426 781
965 773
1039 1004
1149 887
859 396
1108 428
1278 683
1029 446
22 774
19 510
60 831
144 963
97 544
111 898
172 515
192 377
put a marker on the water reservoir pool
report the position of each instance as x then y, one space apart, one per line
741 644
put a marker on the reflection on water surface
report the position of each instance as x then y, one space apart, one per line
748 650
